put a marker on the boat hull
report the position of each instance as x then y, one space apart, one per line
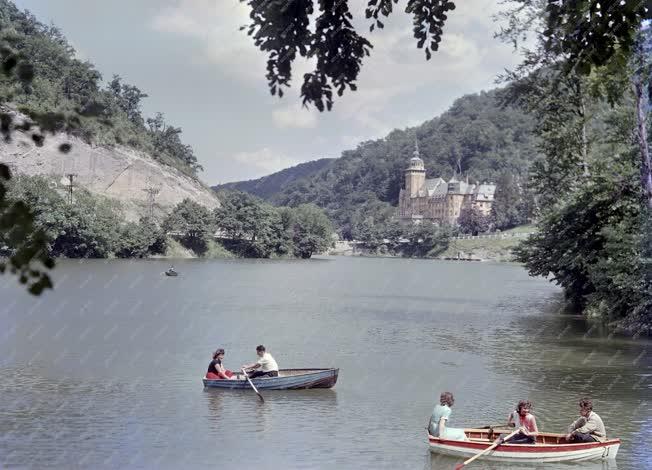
554 450
288 379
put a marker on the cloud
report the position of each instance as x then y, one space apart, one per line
396 86
216 28
295 116
264 161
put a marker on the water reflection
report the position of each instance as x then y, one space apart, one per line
439 462
244 407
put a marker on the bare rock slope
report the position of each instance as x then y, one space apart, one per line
118 172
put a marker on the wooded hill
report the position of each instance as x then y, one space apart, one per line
267 186
66 94
477 137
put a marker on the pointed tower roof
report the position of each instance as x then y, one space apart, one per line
416 154
415 162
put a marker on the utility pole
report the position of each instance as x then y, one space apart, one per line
585 168
151 196
71 177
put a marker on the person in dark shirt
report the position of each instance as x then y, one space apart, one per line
216 370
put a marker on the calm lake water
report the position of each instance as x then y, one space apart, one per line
105 371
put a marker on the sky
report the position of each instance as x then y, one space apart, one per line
208 78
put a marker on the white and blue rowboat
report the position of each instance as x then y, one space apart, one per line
288 379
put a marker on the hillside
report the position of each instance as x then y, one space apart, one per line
116 151
477 137
118 172
268 186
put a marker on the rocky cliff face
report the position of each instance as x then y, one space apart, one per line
119 172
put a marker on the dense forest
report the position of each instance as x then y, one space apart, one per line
267 186
67 94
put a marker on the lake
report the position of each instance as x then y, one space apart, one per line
105 371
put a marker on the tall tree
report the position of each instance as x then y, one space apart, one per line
312 231
167 139
509 208
473 221
128 98
193 222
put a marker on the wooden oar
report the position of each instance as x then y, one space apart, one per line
252 385
496 443
494 426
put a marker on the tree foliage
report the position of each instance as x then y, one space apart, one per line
193 222
311 231
287 30
586 33
254 228
427 240
60 93
473 221
167 140
514 204
593 133
22 241
591 246
90 227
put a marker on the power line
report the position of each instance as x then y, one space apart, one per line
151 197
71 177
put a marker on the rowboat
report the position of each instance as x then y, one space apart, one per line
549 447
288 379
171 273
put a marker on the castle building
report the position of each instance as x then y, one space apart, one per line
436 200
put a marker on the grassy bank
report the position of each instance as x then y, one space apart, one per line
496 248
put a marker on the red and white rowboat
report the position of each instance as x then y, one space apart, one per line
549 447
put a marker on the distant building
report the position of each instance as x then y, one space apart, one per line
436 200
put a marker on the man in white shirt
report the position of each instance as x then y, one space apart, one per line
266 363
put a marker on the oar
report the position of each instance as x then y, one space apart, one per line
252 385
494 426
487 450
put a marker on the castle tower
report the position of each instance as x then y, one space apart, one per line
415 174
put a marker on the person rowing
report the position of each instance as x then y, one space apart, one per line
525 422
266 363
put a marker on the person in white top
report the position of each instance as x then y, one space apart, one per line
266 363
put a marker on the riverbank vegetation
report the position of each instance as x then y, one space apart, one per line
593 182
92 226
